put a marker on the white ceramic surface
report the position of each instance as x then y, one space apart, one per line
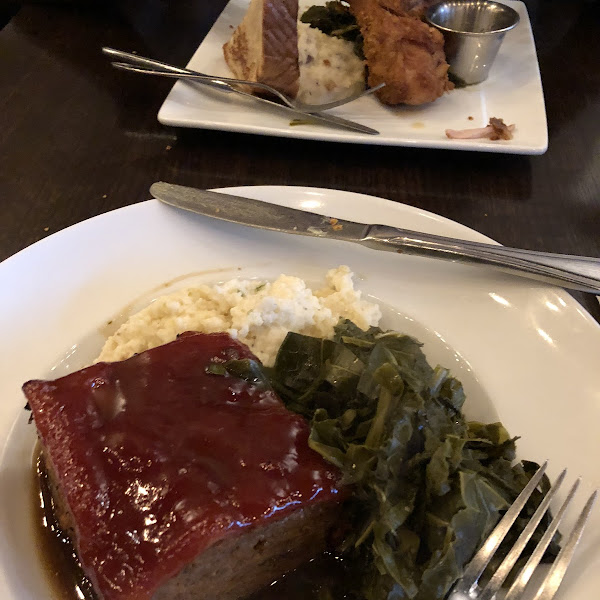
526 352
512 92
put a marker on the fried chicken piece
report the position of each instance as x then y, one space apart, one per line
401 51
412 8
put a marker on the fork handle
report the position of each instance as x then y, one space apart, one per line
140 60
149 66
157 67
221 85
575 272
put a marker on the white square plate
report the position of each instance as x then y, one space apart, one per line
512 92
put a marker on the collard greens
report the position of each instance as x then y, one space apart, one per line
336 20
429 486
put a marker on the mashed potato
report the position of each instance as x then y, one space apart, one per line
258 313
329 68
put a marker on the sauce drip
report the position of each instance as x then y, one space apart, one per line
65 575
326 577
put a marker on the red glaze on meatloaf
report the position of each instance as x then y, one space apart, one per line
158 460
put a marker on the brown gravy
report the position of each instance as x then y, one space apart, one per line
324 578
58 556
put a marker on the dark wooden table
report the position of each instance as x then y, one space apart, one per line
78 138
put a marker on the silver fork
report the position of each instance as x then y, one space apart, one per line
467 587
149 66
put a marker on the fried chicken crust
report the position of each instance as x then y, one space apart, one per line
401 51
412 8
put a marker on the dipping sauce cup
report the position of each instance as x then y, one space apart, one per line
473 32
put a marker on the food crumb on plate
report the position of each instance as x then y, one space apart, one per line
496 129
335 225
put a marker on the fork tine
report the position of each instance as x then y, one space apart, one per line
511 558
516 590
480 561
557 572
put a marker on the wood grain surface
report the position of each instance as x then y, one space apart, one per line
79 138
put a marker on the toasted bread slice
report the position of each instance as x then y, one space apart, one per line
264 47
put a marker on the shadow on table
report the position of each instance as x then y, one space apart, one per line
460 185
568 63
72 34
567 39
8 9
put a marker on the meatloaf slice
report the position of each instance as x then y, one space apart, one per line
177 483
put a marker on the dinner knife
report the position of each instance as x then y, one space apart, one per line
574 272
148 65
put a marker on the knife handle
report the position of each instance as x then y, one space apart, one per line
574 272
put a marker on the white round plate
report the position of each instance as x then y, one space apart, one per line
526 352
